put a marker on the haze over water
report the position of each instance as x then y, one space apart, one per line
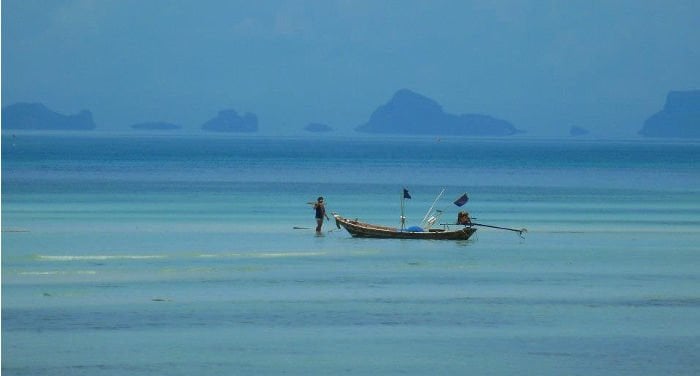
544 66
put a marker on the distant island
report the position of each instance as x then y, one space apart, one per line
410 113
317 128
230 121
578 131
680 117
156 126
36 116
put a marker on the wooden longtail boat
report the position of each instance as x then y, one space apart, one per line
365 230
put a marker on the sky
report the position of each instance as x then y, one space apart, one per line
545 66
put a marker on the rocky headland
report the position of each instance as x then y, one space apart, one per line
410 113
680 117
230 121
36 116
156 126
317 128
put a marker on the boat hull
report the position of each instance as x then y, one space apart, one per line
365 230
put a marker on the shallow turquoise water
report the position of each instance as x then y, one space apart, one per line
145 256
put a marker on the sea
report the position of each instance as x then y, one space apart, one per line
197 255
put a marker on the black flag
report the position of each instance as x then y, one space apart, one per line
406 194
462 200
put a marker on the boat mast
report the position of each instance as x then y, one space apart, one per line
427 217
404 196
403 218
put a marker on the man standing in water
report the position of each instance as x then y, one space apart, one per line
320 213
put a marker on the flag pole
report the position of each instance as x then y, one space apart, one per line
403 219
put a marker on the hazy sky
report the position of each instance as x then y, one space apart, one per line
543 65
